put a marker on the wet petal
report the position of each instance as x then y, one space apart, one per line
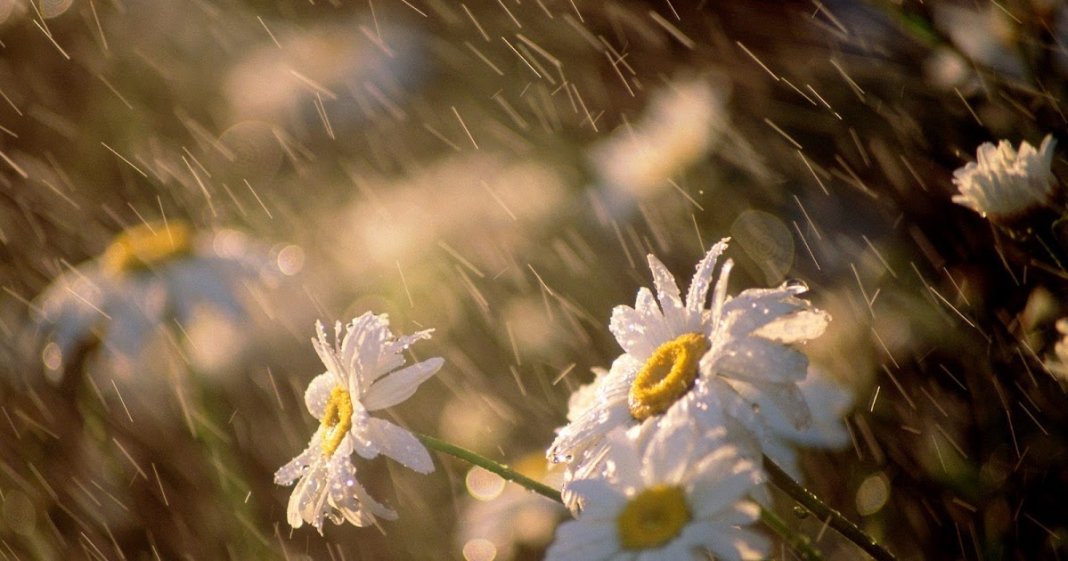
400 385
400 445
318 393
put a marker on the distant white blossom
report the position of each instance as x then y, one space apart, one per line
986 35
697 366
361 376
1058 364
1004 183
679 128
150 276
665 501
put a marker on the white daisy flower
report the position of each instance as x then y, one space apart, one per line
711 361
361 376
670 502
1004 183
149 275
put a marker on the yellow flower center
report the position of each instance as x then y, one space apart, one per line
337 419
666 376
146 245
653 517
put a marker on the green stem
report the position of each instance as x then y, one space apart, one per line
801 544
490 465
783 481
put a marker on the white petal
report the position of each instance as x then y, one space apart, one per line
296 467
670 450
580 541
589 428
350 498
753 359
789 401
326 351
400 385
796 328
399 444
719 296
666 289
678 549
370 359
629 330
602 500
308 501
729 543
754 307
318 393
697 297
717 490
742 513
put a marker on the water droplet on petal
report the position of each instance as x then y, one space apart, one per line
795 286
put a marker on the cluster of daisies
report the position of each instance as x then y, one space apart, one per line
664 450
663 453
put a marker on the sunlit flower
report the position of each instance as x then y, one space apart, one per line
150 277
665 501
1004 183
711 362
363 374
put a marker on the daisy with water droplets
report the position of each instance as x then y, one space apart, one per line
1003 183
148 276
708 361
666 501
363 373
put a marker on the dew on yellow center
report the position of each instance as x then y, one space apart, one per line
337 419
666 376
653 517
146 245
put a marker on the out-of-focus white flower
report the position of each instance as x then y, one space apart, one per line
688 364
508 516
680 127
329 68
1004 183
150 275
1058 365
987 36
361 376
478 203
665 501
828 402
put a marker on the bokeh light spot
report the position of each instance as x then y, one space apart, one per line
484 485
767 241
52 356
479 549
873 494
291 260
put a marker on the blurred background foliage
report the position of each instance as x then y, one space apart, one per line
497 170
